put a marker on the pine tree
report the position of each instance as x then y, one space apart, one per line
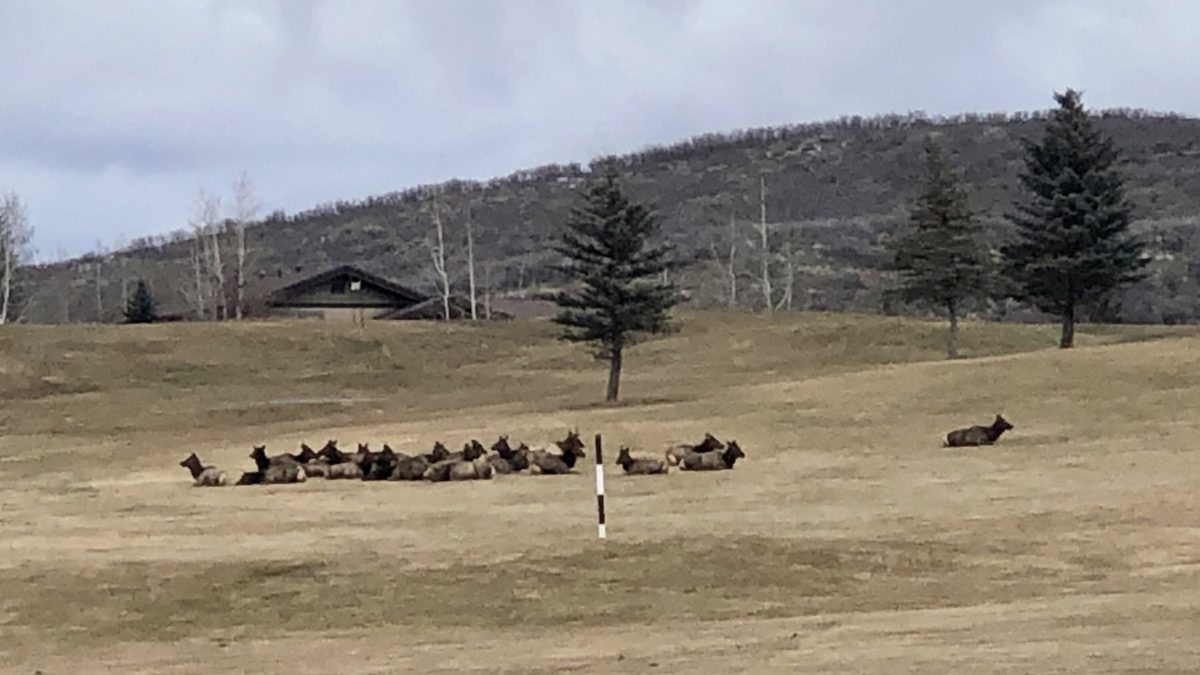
623 295
141 307
940 257
1073 240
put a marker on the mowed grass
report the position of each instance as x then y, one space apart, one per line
849 540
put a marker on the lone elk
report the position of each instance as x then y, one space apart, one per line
978 435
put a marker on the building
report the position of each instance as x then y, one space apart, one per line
348 293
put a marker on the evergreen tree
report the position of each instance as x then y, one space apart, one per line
940 257
1073 240
622 293
141 307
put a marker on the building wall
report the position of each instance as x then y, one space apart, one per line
346 314
324 296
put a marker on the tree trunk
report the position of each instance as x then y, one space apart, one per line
6 279
785 302
766 247
487 291
245 208
732 264
471 265
240 281
99 293
1068 327
439 261
614 375
218 273
197 268
952 334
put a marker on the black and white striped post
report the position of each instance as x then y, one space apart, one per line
600 531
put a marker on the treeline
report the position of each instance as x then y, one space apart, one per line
835 193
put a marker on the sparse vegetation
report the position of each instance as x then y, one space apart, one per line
837 191
15 234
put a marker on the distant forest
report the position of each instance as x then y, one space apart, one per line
834 193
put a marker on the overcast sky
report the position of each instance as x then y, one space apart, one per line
114 112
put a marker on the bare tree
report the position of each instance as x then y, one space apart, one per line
98 279
15 235
438 253
727 264
245 209
200 259
217 269
206 255
487 291
471 263
64 292
766 245
198 267
789 279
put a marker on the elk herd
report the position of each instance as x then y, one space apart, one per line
473 462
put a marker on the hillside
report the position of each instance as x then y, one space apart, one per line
835 191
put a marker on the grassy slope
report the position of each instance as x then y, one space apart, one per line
847 509
104 380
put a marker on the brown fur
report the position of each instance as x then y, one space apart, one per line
376 465
640 466
676 453
409 468
438 454
315 469
250 478
542 463
280 469
508 460
331 454
439 471
978 435
306 454
545 463
713 461
475 469
204 476
468 464
315 465
343 471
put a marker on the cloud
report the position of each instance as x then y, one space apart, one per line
115 113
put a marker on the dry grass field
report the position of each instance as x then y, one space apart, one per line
848 541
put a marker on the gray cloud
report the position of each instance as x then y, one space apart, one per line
114 113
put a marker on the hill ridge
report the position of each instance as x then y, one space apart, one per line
836 190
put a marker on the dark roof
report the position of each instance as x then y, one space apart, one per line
406 294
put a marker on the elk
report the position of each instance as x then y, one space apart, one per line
642 466
713 461
203 476
977 435
676 453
